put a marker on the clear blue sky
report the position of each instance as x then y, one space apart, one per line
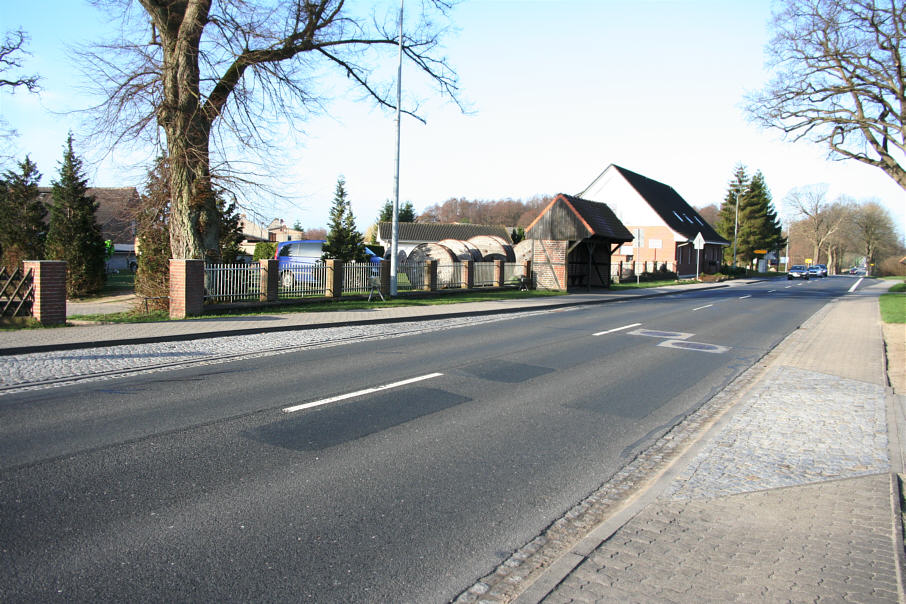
558 90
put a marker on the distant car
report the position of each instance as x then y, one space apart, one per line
820 270
797 271
296 260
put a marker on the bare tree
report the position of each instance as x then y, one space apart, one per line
840 79
821 219
874 231
213 75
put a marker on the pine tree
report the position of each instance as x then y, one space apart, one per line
758 225
406 212
22 228
152 279
230 228
74 234
727 219
344 241
764 230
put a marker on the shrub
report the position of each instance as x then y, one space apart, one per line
891 266
264 250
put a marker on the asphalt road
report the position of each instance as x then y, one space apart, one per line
196 485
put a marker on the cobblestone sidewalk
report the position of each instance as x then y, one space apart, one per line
790 502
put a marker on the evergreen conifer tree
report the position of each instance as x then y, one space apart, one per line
22 213
727 218
152 279
344 241
74 234
406 212
758 225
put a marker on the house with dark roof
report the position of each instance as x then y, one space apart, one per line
412 234
572 242
116 207
663 224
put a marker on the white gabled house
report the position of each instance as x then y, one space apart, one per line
666 223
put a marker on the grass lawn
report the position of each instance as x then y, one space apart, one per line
893 303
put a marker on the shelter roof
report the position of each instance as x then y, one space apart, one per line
572 218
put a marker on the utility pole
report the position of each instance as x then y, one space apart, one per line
395 225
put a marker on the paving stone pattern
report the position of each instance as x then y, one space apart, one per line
824 541
798 426
790 502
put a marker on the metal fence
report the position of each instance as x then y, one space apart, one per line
359 278
629 270
410 276
225 283
449 275
513 273
297 280
484 274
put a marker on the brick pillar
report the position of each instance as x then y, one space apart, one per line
431 275
527 273
186 288
334 278
468 274
498 273
268 284
385 278
49 281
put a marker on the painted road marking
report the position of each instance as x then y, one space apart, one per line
771 291
788 286
853 288
342 397
744 297
705 306
652 333
601 333
699 346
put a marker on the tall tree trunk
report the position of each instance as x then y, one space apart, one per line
194 218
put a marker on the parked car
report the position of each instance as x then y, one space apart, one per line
797 271
296 260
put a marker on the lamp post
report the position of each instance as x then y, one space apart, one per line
395 225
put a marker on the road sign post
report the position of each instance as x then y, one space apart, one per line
698 244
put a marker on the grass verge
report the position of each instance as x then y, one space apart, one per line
893 306
644 284
453 298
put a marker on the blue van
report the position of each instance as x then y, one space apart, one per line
296 259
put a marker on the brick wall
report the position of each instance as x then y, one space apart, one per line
49 279
186 288
549 263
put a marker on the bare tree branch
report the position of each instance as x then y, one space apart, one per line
217 75
840 79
